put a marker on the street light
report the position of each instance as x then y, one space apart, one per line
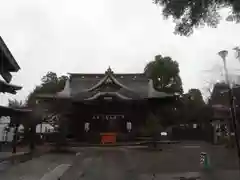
223 54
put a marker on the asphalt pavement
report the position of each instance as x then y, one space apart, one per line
36 168
130 163
173 162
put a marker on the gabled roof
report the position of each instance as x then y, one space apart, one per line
7 62
85 86
133 86
7 58
108 94
9 88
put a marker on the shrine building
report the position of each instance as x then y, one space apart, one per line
98 104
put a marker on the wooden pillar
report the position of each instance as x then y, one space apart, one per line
32 137
15 124
14 141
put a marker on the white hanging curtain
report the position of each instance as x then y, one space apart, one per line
129 126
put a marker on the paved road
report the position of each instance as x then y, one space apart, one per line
35 169
138 163
130 163
102 163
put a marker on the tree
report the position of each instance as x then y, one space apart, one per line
219 94
50 77
51 84
165 74
195 106
13 103
188 14
196 96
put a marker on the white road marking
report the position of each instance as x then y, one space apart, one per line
56 173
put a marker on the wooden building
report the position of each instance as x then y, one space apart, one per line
94 104
7 65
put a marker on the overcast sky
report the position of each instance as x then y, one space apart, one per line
87 36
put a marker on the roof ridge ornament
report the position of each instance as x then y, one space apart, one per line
109 71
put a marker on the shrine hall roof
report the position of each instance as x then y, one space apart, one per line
129 84
123 86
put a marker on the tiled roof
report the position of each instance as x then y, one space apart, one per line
127 86
130 85
10 63
8 88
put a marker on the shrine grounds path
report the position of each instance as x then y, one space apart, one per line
130 163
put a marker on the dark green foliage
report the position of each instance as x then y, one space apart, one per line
219 94
195 107
195 98
165 74
51 84
188 14
190 108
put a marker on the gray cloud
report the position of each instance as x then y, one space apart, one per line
88 36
